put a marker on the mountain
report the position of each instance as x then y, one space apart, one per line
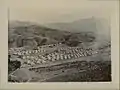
100 26
22 34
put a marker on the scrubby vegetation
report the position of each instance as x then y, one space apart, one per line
35 35
94 72
13 65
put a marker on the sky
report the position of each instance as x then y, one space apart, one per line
51 11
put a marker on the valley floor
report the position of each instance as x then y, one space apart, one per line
79 71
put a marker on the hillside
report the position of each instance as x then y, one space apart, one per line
31 34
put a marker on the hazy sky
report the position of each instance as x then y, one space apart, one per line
46 11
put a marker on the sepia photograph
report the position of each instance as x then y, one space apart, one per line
60 41
58 46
